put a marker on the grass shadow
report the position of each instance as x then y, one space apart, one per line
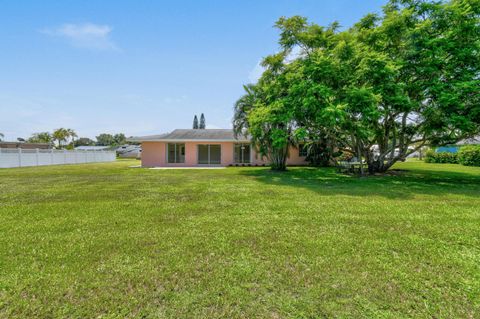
398 184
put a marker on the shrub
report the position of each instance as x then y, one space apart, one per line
441 157
430 156
469 155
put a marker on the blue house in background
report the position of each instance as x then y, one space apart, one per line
447 149
455 148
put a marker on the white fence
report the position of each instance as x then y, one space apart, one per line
17 157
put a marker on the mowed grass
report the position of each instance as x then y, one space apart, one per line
109 241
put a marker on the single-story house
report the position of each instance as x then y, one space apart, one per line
205 147
456 147
92 148
25 145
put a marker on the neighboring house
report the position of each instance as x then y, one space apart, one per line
204 147
456 147
25 145
376 151
93 148
129 151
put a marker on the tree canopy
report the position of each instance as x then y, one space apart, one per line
381 89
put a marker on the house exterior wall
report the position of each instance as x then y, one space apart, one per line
154 154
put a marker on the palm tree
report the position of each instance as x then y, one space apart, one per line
60 135
263 136
242 107
72 134
41 137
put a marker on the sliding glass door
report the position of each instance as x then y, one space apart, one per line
209 154
242 153
175 153
203 154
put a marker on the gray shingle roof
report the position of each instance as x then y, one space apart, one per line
470 141
219 135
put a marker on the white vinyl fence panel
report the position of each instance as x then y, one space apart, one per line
17 157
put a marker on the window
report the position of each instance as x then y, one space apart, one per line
302 150
209 154
175 153
242 153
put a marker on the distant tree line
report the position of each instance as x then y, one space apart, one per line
105 139
67 138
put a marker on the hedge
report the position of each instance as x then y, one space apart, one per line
469 155
441 157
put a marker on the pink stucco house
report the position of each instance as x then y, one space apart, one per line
204 147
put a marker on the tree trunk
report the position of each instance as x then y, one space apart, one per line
278 158
376 166
359 155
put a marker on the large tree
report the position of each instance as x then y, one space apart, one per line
119 139
61 136
385 87
1 136
64 137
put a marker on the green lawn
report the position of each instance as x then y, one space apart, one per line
106 240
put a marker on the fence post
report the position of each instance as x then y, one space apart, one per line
19 157
64 156
36 155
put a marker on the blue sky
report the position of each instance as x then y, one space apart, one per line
138 67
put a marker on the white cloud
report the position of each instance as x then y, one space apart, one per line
87 35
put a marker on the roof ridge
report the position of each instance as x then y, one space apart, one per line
194 135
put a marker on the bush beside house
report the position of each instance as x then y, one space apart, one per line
469 155
441 158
